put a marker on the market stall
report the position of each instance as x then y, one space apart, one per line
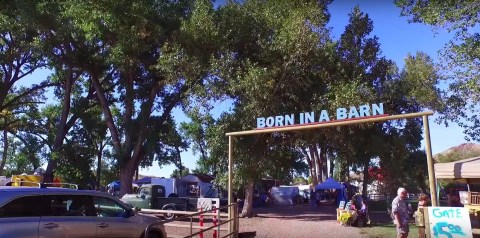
467 170
332 184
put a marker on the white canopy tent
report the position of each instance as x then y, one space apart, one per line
466 169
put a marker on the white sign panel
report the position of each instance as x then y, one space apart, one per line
207 203
449 222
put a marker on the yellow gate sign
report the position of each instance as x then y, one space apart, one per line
449 222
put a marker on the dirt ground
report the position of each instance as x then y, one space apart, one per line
297 221
292 221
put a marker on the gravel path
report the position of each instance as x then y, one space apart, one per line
298 221
288 221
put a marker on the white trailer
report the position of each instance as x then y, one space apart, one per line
173 186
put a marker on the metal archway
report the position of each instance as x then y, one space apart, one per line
371 119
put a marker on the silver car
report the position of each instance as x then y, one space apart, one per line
28 212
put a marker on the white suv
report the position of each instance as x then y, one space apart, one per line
56 212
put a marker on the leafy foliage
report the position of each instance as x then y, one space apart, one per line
121 67
460 57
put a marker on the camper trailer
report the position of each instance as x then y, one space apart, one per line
173 186
192 185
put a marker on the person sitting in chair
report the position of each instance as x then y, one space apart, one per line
362 214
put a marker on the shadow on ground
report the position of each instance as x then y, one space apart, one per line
308 213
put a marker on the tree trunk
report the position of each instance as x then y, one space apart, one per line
137 171
332 167
179 166
99 167
5 148
61 128
248 202
314 164
311 166
126 177
365 178
323 163
318 162
343 170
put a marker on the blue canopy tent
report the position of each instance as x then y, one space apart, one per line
114 185
331 183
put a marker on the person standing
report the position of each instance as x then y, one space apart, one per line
400 213
292 198
313 199
423 203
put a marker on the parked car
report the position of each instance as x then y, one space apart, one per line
58 212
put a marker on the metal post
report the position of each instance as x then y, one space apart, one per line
230 188
431 171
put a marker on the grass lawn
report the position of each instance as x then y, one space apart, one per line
382 226
386 230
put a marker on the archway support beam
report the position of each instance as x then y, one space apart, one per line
331 123
373 119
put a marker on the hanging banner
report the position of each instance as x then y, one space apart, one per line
449 222
304 118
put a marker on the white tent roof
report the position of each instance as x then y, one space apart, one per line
461 169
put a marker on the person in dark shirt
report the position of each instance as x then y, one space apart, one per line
455 201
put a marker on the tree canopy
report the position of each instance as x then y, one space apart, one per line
120 68
459 62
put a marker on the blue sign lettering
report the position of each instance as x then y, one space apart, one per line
309 117
341 113
324 116
450 230
285 120
450 213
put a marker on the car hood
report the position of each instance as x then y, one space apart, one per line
147 218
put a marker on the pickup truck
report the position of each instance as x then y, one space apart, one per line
151 196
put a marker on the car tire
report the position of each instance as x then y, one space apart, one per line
169 216
154 235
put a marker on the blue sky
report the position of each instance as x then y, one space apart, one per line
398 38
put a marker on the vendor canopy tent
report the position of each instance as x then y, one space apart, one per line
468 169
114 185
330 183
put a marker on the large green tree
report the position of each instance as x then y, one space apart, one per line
268 49
158 52
19 56
459 58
